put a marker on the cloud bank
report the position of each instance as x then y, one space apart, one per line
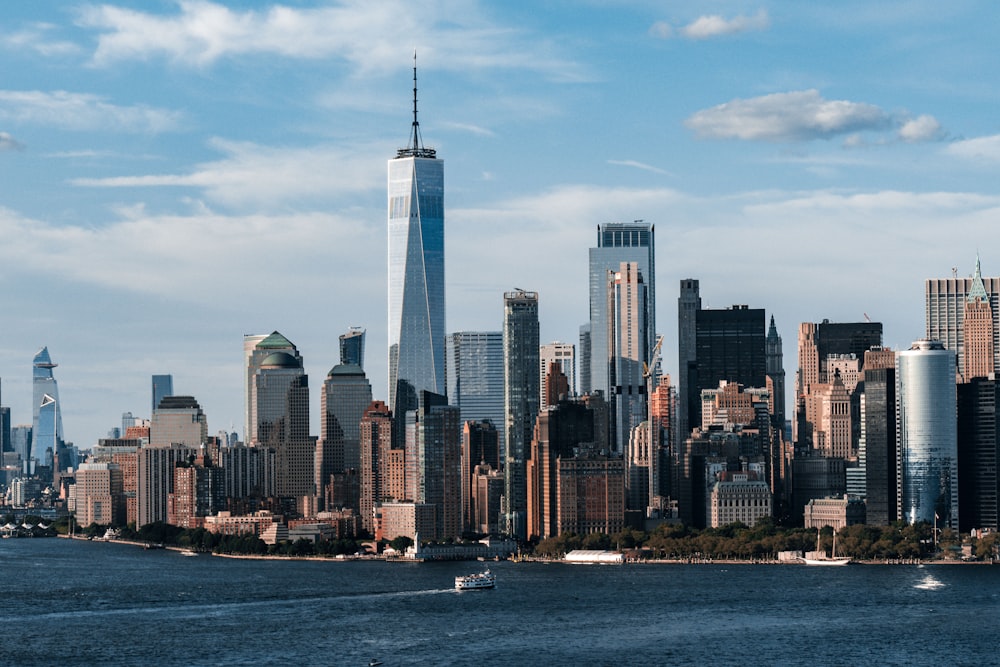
804 116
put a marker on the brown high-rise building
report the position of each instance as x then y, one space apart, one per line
197 492
99 494
591 495
560 431
375 445
480 446
556 384
947 300
977 331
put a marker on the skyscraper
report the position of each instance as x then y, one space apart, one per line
520 357
977 331
352 347
475 376
565 355
946 303
774 360
178 420
979 453
716 345
928 440
433 459
616 243
344 397
628 349
278 402
688 409
46 427
416 270
163 385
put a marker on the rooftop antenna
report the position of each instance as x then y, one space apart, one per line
414 147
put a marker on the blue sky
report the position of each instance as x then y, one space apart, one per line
176 174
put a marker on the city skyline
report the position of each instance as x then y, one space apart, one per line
162 184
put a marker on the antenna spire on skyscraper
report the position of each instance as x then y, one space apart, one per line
415 148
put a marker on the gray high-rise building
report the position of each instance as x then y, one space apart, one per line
434 445
178 420
928 437
979 454
616 243
163 386
278 403
345 396
880 442
416 271
520 357
475 376
775 365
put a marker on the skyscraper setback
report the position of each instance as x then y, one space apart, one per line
416 270
616 243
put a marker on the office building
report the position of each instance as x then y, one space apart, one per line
881 460
775 369
155 479
977 331
928 439
376 473
562 430
480 451
979 454
279 413
416 271
629 351
46 426
434 445
248 472
475 376
947 301
352 347
738 496
162 386
688 306
344 397
616 243
178 420
99 495
563 354
715 345
521 394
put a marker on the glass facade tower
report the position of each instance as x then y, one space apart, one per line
475 376
46 427
928 433
616 243
416 270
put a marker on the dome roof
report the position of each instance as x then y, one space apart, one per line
281 360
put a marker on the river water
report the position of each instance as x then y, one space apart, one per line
87 603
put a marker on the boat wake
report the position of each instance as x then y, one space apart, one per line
929 583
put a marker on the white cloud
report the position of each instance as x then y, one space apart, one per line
706 27
638 165
712 25
805 115
35 37
981 148
252 176
366 34
9 143
82 111
471 129
921 128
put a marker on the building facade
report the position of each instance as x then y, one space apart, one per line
563 354
628 349
928 437
616 243
521 394
475 376
946 301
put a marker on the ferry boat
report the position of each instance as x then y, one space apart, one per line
472 582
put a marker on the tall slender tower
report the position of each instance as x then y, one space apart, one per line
416 270
774 361
616 243
688 305
628 350
977 330
520 361
46 427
